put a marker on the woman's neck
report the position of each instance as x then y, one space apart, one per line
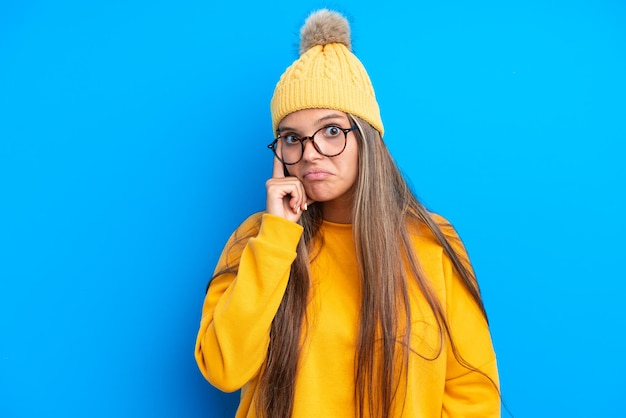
338 211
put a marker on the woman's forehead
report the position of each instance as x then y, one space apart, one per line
311 117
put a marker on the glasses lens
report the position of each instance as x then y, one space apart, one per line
291 151
330 140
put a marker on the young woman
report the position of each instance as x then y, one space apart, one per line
346 297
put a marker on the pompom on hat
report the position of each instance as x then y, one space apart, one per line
327 75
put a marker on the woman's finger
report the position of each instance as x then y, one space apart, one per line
284 197
278 170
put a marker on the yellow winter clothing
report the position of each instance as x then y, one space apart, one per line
238 311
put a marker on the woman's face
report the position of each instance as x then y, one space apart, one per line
325 179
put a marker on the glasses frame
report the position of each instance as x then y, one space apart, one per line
272 145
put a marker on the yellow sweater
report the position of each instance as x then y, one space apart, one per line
238 311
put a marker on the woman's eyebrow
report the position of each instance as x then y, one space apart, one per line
330 117
326 118
286 129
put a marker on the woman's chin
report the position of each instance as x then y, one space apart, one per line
319 195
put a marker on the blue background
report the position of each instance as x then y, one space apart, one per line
132 142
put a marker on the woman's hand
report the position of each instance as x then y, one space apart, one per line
285 195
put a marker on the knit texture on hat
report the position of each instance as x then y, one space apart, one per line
327 75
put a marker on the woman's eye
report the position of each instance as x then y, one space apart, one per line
290 139
332 131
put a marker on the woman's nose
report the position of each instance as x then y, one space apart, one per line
309 151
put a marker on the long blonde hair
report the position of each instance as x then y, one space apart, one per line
383 208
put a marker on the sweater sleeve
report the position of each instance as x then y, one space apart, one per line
239 308
469 391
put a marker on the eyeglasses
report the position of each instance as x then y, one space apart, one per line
330 141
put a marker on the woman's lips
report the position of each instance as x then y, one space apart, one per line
317 175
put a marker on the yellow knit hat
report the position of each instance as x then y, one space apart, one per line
327 75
